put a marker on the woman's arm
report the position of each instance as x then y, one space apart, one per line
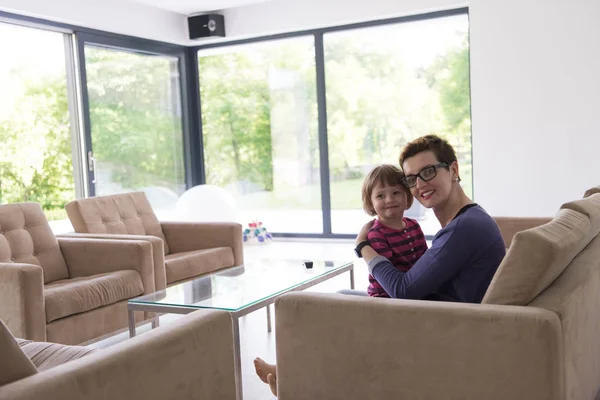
451 250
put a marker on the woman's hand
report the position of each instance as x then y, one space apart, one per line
362 235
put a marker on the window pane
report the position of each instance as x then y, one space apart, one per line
387 85
35 155
259 121
135 112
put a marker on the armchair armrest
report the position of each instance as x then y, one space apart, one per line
85 257
192 359
22 305
158 251
331 346
189 236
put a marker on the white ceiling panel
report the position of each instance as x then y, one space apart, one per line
188 7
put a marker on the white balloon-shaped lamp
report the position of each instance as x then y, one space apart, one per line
206 203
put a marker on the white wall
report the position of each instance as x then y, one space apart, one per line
535 80
124 17
535 71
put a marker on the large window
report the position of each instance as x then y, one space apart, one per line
259 123
387 85
136 125
35 155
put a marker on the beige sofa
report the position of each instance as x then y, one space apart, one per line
66 290
182 250
190 359
536 337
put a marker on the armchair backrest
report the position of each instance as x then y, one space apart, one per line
126 213
26 237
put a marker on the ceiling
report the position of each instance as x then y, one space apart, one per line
188 7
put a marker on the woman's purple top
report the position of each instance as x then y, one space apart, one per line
459 266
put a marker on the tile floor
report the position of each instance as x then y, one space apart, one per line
255 340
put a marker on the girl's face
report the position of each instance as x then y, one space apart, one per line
389 202
433 186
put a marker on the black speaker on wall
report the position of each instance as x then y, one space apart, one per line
207 25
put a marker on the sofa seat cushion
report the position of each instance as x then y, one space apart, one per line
47 355
73 296
14 364
190 264
537 257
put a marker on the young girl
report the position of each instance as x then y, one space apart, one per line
398 239
392 236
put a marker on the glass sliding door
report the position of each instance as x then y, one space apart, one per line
260 131
387 85
36 162
136 124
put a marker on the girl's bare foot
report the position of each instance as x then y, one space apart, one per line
264 369
272 383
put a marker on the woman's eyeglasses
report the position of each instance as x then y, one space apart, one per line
426 174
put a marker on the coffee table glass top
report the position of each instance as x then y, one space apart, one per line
239 287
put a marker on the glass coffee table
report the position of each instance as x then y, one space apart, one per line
240 291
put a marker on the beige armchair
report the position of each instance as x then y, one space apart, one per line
66 290
182 250
191 359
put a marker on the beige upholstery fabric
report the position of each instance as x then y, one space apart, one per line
590 207
14 364
591 191
77 295
128 213
22 300
193 263
80 328
510 226
26 237
47 355
192 360
336 347
98 274
537 257
160 277
575 297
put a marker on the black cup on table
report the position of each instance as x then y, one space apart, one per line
308 264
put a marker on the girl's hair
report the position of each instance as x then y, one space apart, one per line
385 174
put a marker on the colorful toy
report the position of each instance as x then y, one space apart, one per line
256 233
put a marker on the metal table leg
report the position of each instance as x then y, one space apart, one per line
237 355
352 278
131 320
268 318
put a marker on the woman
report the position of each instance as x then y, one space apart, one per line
464 254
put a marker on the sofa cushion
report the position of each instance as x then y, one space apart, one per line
590 207
537 257
190 264
591 191
73 296
14 364
47 355
127 213
26 237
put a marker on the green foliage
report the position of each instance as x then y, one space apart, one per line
236 120
449 75
136 123
36 147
